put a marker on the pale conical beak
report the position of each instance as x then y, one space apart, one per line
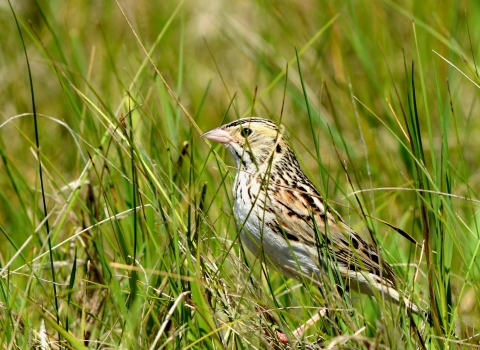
218 135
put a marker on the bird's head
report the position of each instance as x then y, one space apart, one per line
253 142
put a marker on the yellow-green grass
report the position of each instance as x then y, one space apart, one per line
140 233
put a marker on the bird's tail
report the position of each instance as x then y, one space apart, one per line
375 286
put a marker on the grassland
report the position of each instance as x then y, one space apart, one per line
116 217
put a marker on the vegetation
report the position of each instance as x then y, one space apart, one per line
116 217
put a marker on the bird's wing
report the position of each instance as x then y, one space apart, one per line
300 213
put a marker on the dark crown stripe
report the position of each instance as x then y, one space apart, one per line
247 121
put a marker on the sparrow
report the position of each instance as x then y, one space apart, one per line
281 214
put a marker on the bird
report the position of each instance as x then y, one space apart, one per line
281 214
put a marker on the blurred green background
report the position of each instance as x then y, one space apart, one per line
112 138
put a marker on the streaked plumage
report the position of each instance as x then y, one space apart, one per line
280 210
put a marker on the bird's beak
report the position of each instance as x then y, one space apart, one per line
218 135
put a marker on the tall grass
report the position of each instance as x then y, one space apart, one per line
126 238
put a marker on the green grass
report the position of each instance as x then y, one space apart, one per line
140 232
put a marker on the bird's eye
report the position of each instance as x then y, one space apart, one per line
246 132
